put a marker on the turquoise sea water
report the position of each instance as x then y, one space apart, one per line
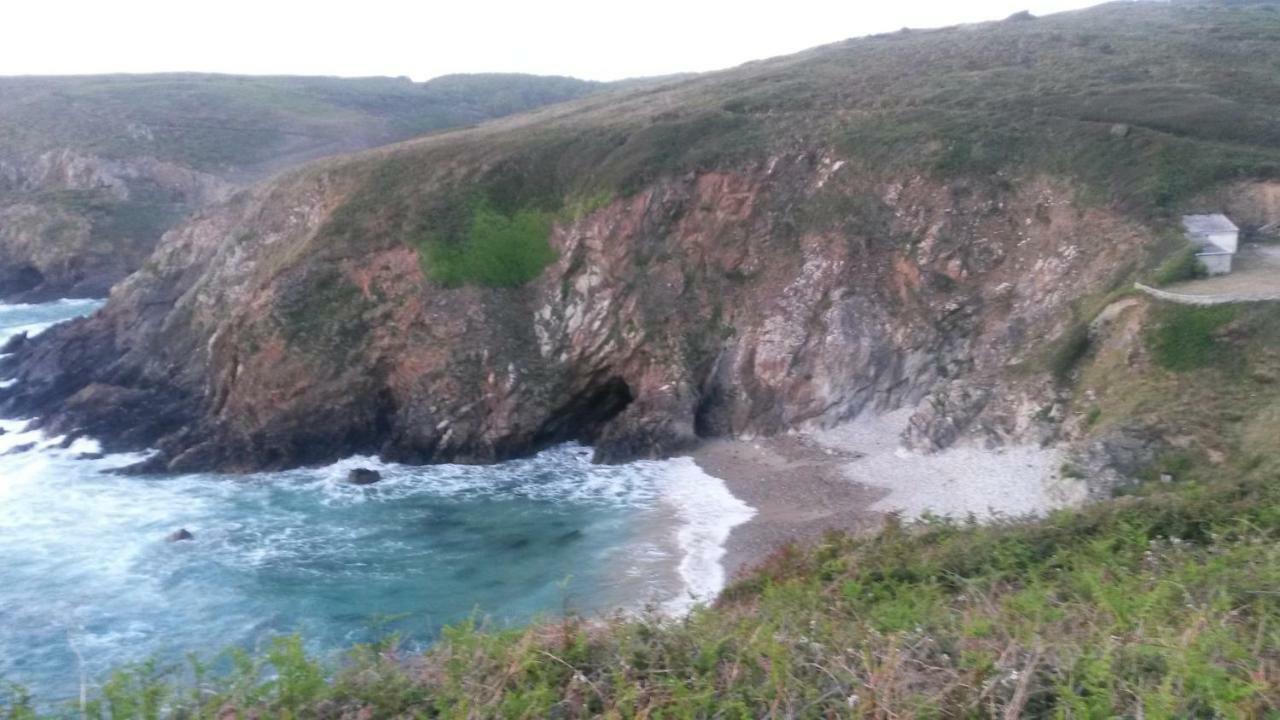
85 570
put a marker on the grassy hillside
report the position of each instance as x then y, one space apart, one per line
1142 106
218 122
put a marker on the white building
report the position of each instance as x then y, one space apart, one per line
1218 239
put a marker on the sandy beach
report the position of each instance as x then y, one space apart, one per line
849 477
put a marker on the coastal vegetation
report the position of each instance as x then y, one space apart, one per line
495 250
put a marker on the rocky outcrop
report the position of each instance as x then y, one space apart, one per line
714 303
72 224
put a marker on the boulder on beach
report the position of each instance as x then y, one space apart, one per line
363 476
180 535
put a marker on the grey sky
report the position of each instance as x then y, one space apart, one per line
584 38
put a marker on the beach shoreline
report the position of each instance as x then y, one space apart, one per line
850 477
798 489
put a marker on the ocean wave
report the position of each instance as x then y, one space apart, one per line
708 513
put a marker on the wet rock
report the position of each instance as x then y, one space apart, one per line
90 456
19 449
14 344
180 535
363 476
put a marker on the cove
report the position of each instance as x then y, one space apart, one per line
88 581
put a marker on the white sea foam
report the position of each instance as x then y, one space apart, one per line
35 319
708 512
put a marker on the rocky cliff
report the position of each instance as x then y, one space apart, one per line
780 246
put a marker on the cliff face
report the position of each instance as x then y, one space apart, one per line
698 306
73 224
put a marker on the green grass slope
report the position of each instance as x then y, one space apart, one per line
86 149
218 122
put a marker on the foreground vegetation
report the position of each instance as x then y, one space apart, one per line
1161 604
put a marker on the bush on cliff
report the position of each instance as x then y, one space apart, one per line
496 249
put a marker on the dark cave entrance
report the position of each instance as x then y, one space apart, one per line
584 416
20 280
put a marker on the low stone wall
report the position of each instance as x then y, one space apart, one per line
1195 299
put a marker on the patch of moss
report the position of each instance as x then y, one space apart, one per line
1185 338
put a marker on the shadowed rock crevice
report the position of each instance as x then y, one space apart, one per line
19 279
585 416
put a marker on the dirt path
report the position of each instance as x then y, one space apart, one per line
1256 277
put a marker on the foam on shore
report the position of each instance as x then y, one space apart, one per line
708 513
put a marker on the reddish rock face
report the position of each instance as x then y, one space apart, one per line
797 291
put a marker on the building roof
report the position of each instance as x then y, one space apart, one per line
1208 224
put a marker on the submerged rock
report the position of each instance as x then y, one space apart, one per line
180 535
568 537
19 449
363 476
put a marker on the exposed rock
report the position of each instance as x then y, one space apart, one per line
14 344
363 476
1116 458
52 246
944 415
1120 130
19 449
694 307
179 535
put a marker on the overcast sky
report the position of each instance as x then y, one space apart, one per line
594 39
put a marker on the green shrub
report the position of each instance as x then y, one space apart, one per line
1068 351
1182 265
495 249
1185 338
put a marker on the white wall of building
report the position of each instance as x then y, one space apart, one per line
1217 263
1227 241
